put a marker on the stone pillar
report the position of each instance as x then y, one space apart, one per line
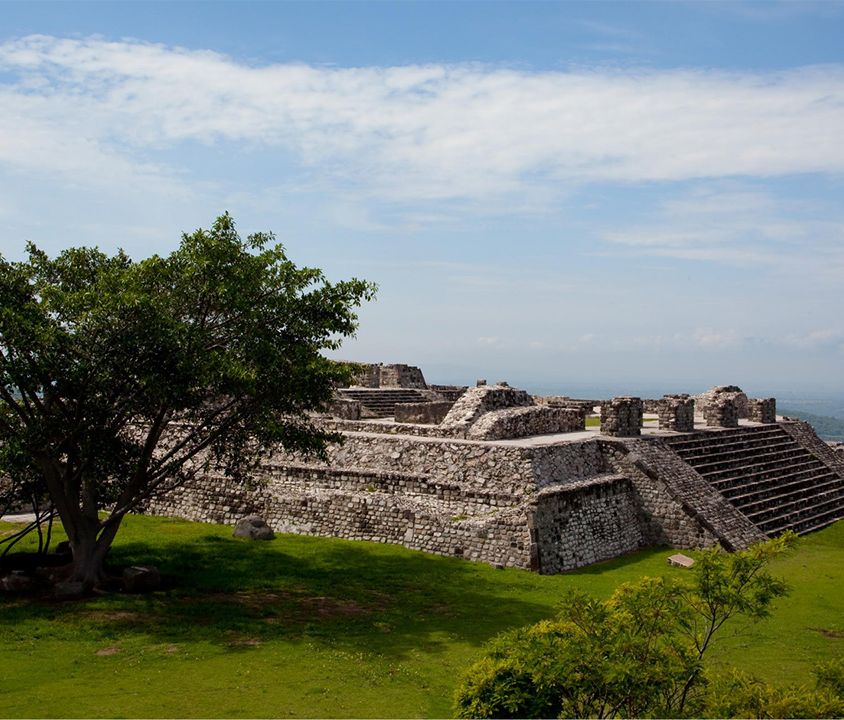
622 417
721 412
762 410
676 412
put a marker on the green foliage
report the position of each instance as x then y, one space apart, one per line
742 695
119 378
638 653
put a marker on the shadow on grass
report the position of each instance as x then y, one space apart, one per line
241 594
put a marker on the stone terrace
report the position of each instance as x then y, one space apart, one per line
495 475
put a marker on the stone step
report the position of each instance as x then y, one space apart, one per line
777 483
718 445
680 443
382 402
749 460
783 503
761 470
804 527
804 522
738 448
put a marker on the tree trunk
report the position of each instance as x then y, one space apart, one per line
90 547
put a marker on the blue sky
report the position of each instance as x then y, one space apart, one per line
565 195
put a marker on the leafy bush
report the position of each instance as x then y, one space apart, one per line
639 653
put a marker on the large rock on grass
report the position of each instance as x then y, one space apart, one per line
141 578
253 527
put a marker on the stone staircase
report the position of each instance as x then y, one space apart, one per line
381 402
767 475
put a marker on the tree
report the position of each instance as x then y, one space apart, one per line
636 654
120 379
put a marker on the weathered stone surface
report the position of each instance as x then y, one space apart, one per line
722 392
621 417
526 421
427 413
376 375
721 412
141 579
762 410
680 560
676 412
253 527
480 400
345 409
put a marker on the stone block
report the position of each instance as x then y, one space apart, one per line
721 412
762 410
253 527
141 578
425 413
676 413
622 417
680 560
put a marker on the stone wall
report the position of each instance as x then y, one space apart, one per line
449 392
722 392
375 375
621 417
376 506
721 412
586 522
527 421
427 413
762 410
676 413
480 400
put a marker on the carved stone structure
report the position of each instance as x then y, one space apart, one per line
721 412
676 412
510 480
762 410
622 417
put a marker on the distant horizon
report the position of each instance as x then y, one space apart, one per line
644 194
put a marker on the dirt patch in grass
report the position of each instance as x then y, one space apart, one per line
826 632
299 604
121 616
107 651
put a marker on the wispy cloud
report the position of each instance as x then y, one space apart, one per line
96 108
733 224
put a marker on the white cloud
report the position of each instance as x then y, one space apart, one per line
733 224
421 132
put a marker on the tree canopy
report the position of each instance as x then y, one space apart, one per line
119 379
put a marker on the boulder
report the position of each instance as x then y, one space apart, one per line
69 590
141 578
16 581
253 527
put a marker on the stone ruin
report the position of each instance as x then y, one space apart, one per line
491 473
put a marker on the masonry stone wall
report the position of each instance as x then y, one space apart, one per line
762 410
676 413
586 522
377 375
478 401
427 413
376 506
622 417
721 412
527 421
719 393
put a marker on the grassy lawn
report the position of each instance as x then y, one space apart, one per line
320 627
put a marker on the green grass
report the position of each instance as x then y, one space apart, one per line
320 627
